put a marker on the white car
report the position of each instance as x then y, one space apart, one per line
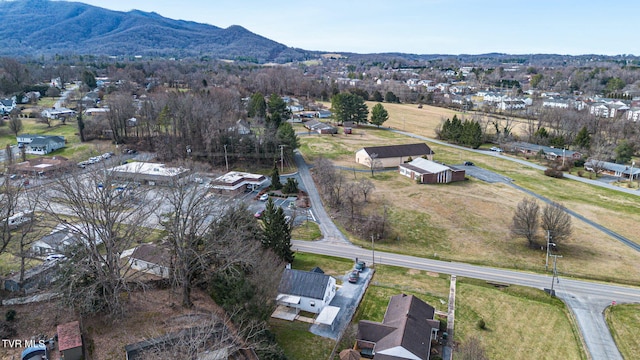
264 197
496 149
53 257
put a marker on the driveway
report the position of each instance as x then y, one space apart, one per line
347 299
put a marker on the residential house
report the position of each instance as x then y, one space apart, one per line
392 155
70 341
37 277
613 169
323 114
511 105
236 182
40 144
295 108
428 172
308 291
43 166
549 152
320 127
633 114
242 127
63 236
406 332
7 105
151 259
60 113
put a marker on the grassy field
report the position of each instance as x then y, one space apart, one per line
514 315
470 221
519 322
307 231
624 322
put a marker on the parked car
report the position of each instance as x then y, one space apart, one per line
360 265
468 163
258 214
353 277
264 197
496 149
53 257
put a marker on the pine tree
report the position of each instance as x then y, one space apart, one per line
275 178
583 139
379 115
277 232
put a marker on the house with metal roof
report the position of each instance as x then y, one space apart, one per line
613 169
406 331
392 155
430 172
40 144
306 290
548 152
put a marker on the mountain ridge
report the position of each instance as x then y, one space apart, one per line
45 27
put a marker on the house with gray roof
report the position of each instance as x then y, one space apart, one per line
406 331
40 144
63 236
306 290
7 105
613 169
548 152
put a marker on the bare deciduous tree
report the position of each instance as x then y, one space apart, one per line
366 187
557 221
107 216
525 220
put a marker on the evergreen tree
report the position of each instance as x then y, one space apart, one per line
349 107
377 96
278 111
583 139
379 115
624 152
287 136
89 79
277 232
275 178
390 97
257 106
456 129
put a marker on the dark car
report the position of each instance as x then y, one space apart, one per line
353 277
360 265
468 163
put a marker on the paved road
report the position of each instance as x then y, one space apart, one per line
329 230
587 300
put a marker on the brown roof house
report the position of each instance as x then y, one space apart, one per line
392 155
405 333
151 259
428 172
70 341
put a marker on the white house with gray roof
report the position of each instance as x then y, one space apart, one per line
40 144
306 290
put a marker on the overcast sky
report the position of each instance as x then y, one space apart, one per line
419 26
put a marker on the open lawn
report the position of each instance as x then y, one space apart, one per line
521 323
298 343
470 221
307 231
624 322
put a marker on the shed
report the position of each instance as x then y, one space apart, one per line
70 341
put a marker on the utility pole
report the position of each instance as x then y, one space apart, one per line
281 159
631 173
555 271
226 160
373 253
549 243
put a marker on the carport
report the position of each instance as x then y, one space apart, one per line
327 316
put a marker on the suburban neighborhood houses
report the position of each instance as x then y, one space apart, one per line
269 202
